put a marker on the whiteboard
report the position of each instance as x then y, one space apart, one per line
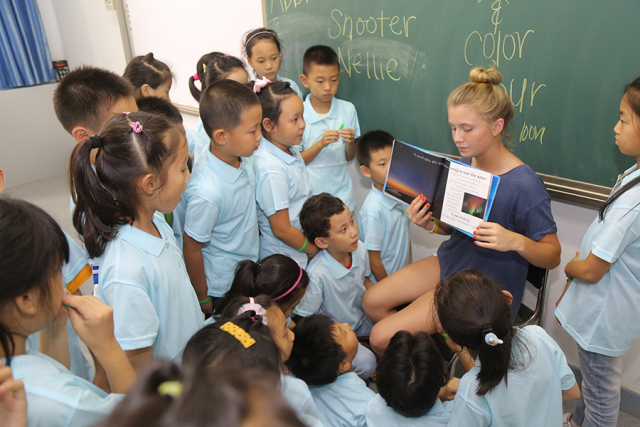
180 32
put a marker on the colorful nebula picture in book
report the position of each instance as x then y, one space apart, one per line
474 205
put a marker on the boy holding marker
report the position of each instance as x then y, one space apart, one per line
328 142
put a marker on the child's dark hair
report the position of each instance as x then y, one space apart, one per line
632 96
469 306
316 355
146 70
160 107
410 374
271 97
201 396
319 55
85 95
273 276
109 197
316 213
32 250
213 346
212 67
371 142
222 105
220 67
253 36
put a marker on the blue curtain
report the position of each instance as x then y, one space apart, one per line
24 52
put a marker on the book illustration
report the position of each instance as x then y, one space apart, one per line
459 194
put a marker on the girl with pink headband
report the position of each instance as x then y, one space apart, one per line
277 276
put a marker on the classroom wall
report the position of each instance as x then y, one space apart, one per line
33 145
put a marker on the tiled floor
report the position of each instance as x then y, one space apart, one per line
52 195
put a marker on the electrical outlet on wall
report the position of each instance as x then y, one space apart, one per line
110 4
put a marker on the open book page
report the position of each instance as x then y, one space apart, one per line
466 199
413 171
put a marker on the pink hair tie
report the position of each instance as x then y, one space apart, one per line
252 306
137 127
294 285
260 83
126 113
196 76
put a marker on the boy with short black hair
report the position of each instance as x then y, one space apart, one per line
339 272
322 356
332 126
221 223
410 376
383 222
87 97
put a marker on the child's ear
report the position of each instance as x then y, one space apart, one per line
365 171
268 125
220 136
508 296
320 242
344 367
304 81
148 183
80 133
28 303
145 90
1 180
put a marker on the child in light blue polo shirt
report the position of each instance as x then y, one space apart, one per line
322 356
521 376
282 183
221 224
409 377
332 126
339 273
141 168
383 223
600 307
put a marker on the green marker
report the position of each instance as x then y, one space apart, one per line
66 305
341 126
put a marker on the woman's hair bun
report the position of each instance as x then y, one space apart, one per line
480 75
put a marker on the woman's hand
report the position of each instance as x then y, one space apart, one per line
494 236
449 391
13 401
420 216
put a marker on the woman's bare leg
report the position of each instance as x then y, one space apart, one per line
418 316
402 287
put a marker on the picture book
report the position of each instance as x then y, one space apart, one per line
460 195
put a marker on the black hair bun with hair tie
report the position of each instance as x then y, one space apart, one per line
96 142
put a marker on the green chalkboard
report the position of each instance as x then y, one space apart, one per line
564 64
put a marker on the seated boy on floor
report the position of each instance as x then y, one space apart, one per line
322 356
383 222
410 379
338 273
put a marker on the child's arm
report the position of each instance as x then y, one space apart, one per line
13 401
93 322
410 253
367 283
543 253
572 394
349 136
377 268
591 269
139 358
194 262
328 137
290 235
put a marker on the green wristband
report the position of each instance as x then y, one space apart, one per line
306 242
445 336
206 300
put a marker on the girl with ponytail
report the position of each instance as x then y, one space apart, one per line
276 276
140 168
521 375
